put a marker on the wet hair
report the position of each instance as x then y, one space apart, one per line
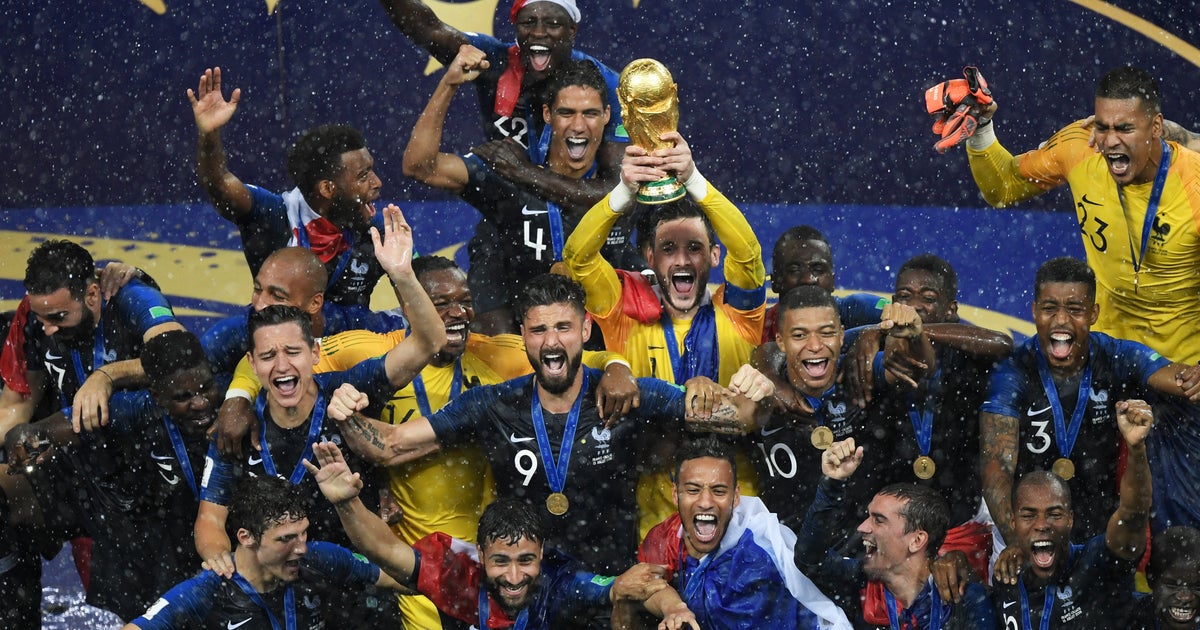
262 502
938 268
800 234
510 520
57 264
705 446
317 155
422 265
548 289
579 73
1130 82
1042 478
306 265
277 314
654 216
170 353
1065 269
807 296
924 510
1173 547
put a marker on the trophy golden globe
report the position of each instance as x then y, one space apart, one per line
650 107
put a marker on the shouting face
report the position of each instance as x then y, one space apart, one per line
1127 135
545 37
554 335
811 339
706 493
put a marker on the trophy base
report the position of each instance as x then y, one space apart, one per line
661 191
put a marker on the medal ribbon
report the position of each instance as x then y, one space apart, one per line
97 349
1160 180
485 612
935 610
556 475
922 419
698 358
314 430
418 384
1047 607
181 454
289 602
1064 436
554 214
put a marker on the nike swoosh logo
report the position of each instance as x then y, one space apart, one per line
1008 604
233 626
160 457
527 212
1035 412
52 357
516 440
766 431
254 462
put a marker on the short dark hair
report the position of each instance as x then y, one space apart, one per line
1065 269
1042 478
1172 547
57 264
510 520
277 314
705 446
170 353
654 216
1130 82
577 73
317 155
800 233
422 265
262 502
938 268
807 296
924 510
547 289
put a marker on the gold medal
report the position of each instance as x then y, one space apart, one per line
1064 467
822 438
924 468
557 503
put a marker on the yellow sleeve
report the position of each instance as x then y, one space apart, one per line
245 380
1004 180
581 255
504 354
347 349
744 263
598 360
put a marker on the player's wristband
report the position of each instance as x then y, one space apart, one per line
696 185
620 199
983 137
617 361
238 393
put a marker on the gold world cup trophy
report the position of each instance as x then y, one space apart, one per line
650 107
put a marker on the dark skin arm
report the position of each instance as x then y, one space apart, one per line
423 27
511 161
1126 533
998 436
981 343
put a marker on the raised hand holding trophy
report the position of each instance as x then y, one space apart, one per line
650 107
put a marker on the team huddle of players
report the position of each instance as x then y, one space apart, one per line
579 432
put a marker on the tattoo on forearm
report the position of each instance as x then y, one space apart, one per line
998 443
367 431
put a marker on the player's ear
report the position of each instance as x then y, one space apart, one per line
587 327
546 112
245 538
